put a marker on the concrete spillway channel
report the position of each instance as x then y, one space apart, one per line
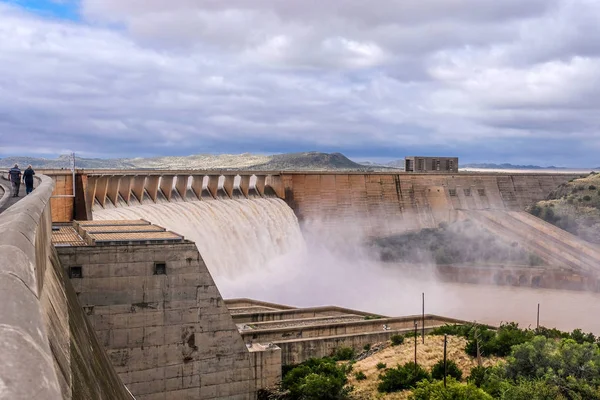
557 247
303 333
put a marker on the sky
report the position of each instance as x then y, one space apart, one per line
486 80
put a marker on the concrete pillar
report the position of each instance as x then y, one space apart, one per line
152 186
276 183
166 185
181 182
137 187
260 184
112 188
101 186
213 185
245 184
125 188
197 182
90 194
228 185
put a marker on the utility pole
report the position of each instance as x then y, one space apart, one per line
538 318
423 317
445 363
416 346
479 364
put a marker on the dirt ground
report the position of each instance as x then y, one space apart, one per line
427 355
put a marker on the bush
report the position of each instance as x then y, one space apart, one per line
360 376
397 340
587 198
592 187
343 354
316 378
497 343
367 347
452 330
454 391
381 365
478 375
402 378
437 371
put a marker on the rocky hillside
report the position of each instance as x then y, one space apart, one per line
575 207
313 161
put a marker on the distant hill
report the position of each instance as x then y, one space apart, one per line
309 161
506 166
280 162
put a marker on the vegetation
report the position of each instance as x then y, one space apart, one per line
397 340
535 364
343 354
360 376
435 390
402 377
316 379
462 242
381 365
575 207
437 371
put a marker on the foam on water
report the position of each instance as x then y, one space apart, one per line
234 237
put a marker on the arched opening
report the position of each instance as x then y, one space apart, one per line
536 281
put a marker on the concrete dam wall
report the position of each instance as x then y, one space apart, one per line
389 203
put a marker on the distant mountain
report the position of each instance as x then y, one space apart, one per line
506 166
280 162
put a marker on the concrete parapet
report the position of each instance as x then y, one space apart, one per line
27 368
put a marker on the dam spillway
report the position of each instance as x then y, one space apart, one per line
234 236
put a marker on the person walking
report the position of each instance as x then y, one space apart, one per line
14 176
28 179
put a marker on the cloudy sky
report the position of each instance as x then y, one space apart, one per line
487 80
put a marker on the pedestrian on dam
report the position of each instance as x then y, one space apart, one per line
28 179
14 176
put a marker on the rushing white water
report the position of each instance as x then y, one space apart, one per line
234 237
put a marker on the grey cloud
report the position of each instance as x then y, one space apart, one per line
192 76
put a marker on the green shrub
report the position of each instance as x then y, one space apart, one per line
397 340
401 378
452 330
360 376
370 317
498 343
316 378
367 347
437 371
587 198
478 375
381 365
343 354
453 391
592 187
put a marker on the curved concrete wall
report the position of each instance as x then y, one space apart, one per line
27 368
49 350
